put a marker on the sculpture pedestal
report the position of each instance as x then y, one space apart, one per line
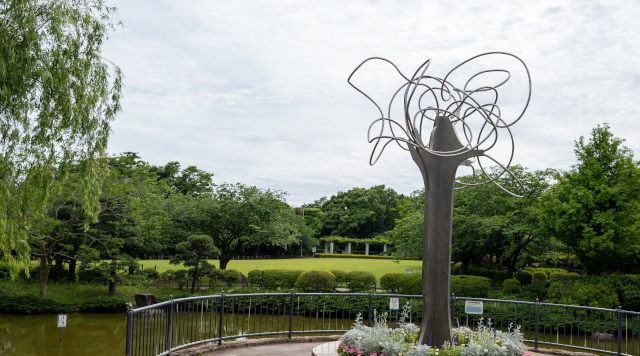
328 349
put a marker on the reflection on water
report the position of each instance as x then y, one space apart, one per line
85 334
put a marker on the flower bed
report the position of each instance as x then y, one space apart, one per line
380 340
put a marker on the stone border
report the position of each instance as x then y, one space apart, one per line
228 345
559 352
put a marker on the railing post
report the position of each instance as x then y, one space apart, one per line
619 330
537 322
169 326
453 308
291 315
370 305
129 329
221 318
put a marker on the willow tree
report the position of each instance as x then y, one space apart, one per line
58 96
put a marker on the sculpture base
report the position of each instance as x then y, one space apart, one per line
327 349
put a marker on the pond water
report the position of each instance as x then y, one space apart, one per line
85 334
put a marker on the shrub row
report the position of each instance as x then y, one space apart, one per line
461 285
31 304
364 256
318 281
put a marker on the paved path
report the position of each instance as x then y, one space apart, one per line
298 349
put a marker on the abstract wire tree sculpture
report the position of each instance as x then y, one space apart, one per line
465 122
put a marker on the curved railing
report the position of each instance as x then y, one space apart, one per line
162 328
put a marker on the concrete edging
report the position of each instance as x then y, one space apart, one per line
228 345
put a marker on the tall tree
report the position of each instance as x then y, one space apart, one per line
58 96
238 217
595 207
360 212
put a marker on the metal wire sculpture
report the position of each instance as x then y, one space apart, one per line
454 110
460 104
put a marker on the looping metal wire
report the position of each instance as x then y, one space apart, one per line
426 97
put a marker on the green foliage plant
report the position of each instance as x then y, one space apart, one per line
389 281
359 281
341 276
410 283
151 274
525 277
30 304
470 286
231 276
104 305
194 253
316 281
58 98
540 276
594 209
511 286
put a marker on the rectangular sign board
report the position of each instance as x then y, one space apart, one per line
473 307
394 304
62 320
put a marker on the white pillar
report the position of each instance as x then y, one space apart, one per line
326 247
366 249
348 248
331 248
384 249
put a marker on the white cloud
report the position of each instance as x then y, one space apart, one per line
256 92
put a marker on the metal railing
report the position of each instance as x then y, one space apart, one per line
162 328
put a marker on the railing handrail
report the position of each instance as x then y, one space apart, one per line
184 305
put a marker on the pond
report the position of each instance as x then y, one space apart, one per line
85 334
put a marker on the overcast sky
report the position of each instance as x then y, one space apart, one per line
256 92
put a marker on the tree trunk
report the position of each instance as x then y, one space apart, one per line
112 283
465 266
194 282
71 276
44 272
224 260
132 270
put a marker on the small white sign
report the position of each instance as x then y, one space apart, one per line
408 270
62 320
313 249
394 304
473 307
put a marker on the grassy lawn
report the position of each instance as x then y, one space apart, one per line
378 267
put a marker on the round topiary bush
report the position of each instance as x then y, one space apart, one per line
555 276
389 281
341 276
470 286
231 276
359 281
151 274
316 281
511 286
539 276
410 283
525 277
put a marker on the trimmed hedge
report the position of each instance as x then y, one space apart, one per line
341 276
364 256
470 286
390 281
274 278
30 304
540 276
410 283
511 286
104 305
316 281
525 277
231 276
359 281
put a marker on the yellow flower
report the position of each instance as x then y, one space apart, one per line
463 345
437 350
485 350
504 347
359 338
436 353
380 343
